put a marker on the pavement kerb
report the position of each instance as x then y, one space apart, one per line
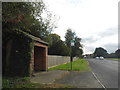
98 80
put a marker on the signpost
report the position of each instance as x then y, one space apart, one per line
72 44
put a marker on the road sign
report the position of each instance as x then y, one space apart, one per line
72 42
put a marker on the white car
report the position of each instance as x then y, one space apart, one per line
101 58
97 57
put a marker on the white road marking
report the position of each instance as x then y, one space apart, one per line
99 81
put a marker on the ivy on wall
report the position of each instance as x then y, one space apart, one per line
20 54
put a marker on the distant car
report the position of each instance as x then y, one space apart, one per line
97 57
102 58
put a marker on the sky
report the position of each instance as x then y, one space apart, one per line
95 21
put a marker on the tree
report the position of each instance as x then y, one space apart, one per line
117 53
57 46
77 48
69 36
111 55
100 52
27 17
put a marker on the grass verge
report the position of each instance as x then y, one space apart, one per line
78 65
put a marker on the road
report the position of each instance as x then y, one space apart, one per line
106 71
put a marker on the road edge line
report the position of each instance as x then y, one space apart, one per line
98 80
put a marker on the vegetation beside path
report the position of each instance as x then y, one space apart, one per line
78 65
18 82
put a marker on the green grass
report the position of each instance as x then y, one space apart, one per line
78 65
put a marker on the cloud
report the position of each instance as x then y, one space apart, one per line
108 32
109 42
74 2
111 47
91 39
89 49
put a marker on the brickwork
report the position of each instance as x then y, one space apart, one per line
39 58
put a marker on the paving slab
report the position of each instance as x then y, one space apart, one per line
73 78
48 77
80 80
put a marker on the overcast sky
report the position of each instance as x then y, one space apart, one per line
95 21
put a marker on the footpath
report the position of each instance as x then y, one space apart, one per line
73 78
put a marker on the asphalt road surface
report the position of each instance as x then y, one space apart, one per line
106 71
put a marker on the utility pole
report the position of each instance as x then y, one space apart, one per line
70 57
72 44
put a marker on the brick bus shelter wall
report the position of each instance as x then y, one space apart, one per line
18 58
18 54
